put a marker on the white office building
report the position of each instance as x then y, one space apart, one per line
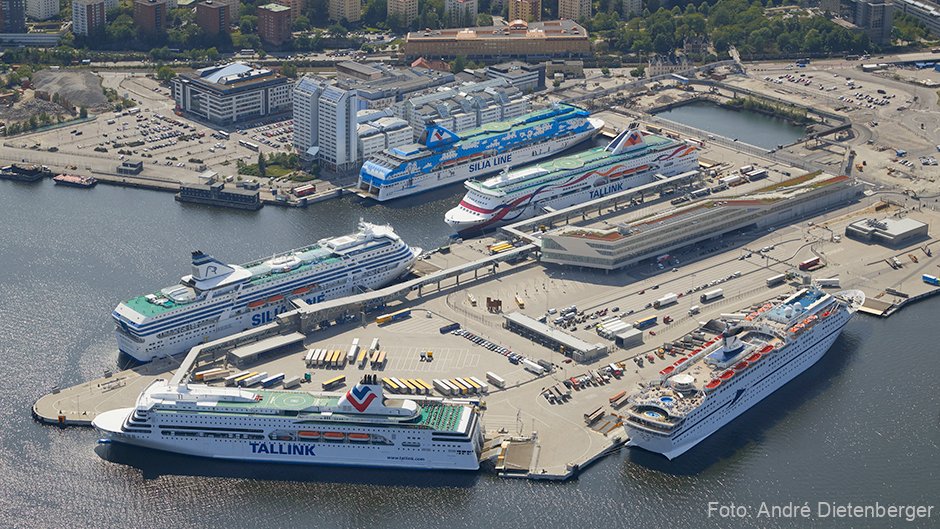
42 9
384 133
338 147
232 93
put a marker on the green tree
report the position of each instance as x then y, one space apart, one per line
262 164
459 64
248 24
484 19
301 23
165 73
337 31
83 112
289 69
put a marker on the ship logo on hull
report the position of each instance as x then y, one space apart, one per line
482 165
360 397
282 449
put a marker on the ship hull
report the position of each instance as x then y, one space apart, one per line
477 168
736 400
303 452
233 316
515 209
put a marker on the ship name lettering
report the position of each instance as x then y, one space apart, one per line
282 449
598 193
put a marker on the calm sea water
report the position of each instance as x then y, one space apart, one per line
860 427
750 127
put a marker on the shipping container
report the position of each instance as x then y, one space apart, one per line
809 263
352 353
255 379
484 387
931 280
666 300
732 180
547 365
441 387
272 380
308 358
381 360
211 374
495 379
778 279
334 382
711 295
231 379
374 346
532 367
756 174
409 387
645 323
374 358
471 384
390 385
427 387
304 190
361 359
461 389
245 376
291 382
616 397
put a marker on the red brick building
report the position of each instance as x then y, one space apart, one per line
214 17
274 24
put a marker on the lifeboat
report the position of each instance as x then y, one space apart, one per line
714 383
334 436
753 358
301 290
679 361
741 366
361 437
668 370
308 434
275 299
766 349
726 375
257 303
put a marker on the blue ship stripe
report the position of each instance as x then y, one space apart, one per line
208 312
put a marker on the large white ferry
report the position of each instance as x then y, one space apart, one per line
219 299
358 428
447 157
703 391
631 159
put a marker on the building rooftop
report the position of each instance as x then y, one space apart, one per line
516 30
276 8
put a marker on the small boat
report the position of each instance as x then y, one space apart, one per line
726 375
334 436
714 383
754 357
668 370
257 303
275 299
301 290
361 437
766 349
308 434
741 366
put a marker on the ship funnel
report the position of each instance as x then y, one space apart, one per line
207 267
627 140
438 136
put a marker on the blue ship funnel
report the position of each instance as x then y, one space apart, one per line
437 136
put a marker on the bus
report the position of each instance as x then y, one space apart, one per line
304 190
222 135
520 302
334 382
392 317
248 145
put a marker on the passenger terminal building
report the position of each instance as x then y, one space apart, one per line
519 40
645 239
232 93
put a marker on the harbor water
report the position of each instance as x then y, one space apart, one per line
747 126
860 427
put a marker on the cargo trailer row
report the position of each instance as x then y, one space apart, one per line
325 358
610 329
410 386
211 374
460 386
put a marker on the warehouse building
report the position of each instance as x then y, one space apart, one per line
518 40
888 232
553 338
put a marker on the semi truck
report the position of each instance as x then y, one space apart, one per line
666 300
778 279
931 280
711 295
645 323
832 282
495 379
809 263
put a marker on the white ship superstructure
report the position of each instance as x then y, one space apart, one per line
703 391
219 299
358 428
631 159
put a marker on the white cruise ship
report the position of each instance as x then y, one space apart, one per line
358 428
219 299
708 388
631 159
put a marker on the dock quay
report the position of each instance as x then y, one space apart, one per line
531 436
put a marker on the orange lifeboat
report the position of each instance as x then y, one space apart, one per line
361 437
726 375
679 361
741 366
257 303
308 434
753 358
275 299
714 383
766 349
301 290
334 436
668 370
